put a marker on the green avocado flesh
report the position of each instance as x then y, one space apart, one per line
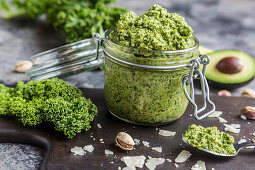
211 139
246 74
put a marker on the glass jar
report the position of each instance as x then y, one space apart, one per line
141 86
146 89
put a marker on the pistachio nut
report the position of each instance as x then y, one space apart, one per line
248 93
248 112
224 93
23 66
124 141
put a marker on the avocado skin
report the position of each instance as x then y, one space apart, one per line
234 53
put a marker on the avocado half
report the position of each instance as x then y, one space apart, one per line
224 80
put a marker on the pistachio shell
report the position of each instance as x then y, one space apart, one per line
124 141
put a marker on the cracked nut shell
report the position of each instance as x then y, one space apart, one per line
248 93
23 66
248 112
124 141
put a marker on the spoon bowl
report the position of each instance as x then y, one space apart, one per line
237 147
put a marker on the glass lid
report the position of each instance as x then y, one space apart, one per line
67 60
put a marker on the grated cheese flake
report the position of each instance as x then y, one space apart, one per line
166 133
145 143
233 128
222 120
153 162
176 165
200 165
108 152
137 141
99 126
215 114
129 168
88 148
158 149
78 151
134 161
243 117
183 156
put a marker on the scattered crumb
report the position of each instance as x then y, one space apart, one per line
232 128
137 141
169 160
119 168
99 126
166 133
242 141
176 165
134 161
149 157
249 123
200 165
78 151
250 147
101 140
88 148
253 134
243 117
215 114
108 152
222 120
213 169
183 156
153 162
129 168
191 115
145 143
111 162
158 149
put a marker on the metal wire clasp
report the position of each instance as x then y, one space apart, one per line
187 79
98 40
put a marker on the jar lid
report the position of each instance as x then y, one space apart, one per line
67 60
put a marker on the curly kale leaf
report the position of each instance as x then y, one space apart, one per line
51 100
75 19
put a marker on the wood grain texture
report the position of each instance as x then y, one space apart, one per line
58 147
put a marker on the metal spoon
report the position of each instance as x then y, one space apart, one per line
237 146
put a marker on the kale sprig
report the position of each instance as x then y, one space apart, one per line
75 19
51 100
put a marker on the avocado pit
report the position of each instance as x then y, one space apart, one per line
230 65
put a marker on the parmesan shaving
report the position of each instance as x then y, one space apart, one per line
183 156
233 128
78 151
145 143
153 162
108 152
158 149
222 120
134 161
200 165
129 168
215 114
243 117
88 148
166 133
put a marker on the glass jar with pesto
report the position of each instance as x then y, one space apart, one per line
150 62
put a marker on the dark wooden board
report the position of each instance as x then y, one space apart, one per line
58 147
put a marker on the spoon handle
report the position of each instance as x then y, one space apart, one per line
242 145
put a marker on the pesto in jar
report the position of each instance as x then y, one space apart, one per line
144 95
155 29
210 139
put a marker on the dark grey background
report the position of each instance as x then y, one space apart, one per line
218 24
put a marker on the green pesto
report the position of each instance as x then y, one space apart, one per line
210 139
155 29
141 95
